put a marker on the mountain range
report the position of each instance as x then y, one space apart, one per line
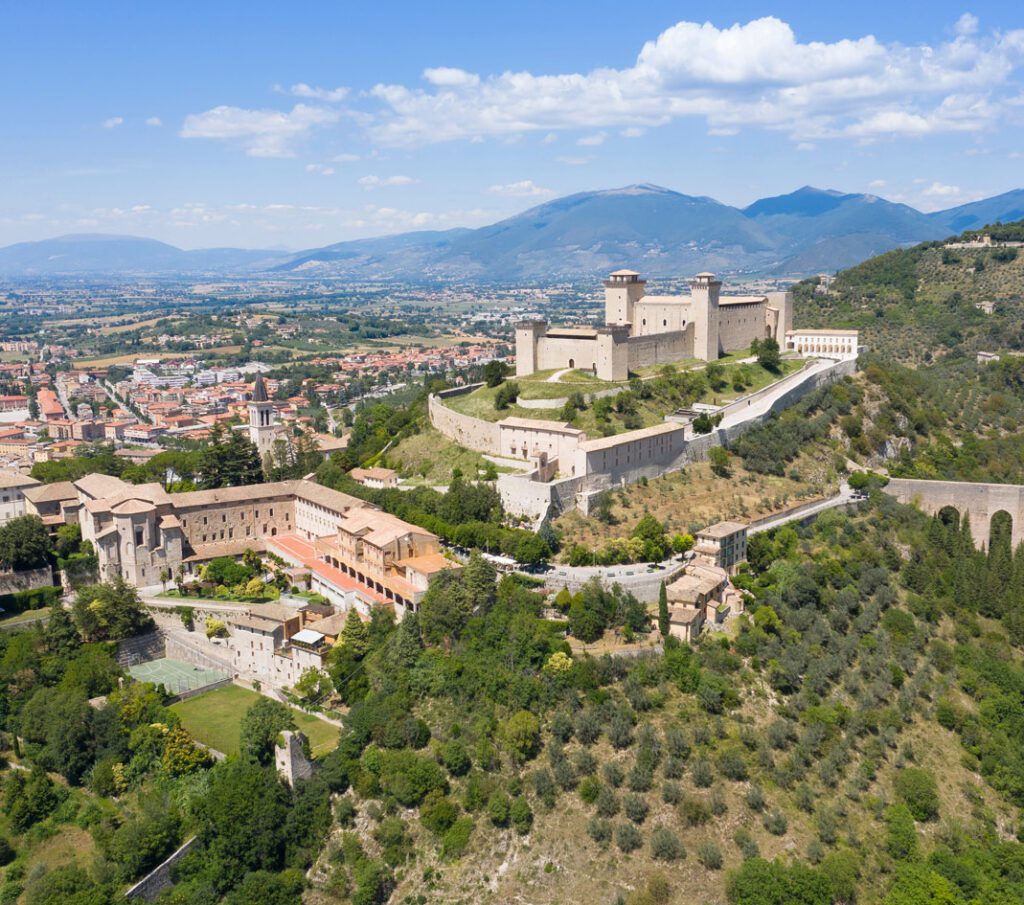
652 229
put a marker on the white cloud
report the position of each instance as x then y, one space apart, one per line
345 158
527 188
154 121
550 138
876 184
377 182
113 122
574 161
632 132
263 133
447 77
754 74
938 190
330 95
319 169
591 141
806 146
966 25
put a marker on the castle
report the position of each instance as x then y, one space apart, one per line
642 330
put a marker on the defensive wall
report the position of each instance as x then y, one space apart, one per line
149 888
599 464
472 433
979 502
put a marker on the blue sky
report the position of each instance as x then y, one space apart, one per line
275 125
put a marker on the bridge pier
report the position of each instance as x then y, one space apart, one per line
979 502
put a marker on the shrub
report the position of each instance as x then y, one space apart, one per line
613 774
733 765
702 774
345 811
607 802
916 788
457 837
499 808
455 758
665 845
671 793
635 808
590 789
627 837
522 816
775 822
599 830
755 798
746 843
694 811
710 855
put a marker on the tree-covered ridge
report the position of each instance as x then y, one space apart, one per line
919 303
857 738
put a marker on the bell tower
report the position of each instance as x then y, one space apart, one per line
261 417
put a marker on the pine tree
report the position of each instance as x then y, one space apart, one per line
663 620
479 580
355 635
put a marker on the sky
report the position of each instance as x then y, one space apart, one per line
277 125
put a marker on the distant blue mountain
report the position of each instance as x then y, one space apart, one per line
649 228
94 253
1003 208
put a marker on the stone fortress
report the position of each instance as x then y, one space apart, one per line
641 330
562 467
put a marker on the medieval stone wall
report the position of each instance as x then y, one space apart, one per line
660 348
472 433
740 325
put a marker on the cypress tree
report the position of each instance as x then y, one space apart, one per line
663 620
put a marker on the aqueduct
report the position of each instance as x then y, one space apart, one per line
979 502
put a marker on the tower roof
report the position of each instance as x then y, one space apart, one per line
259 390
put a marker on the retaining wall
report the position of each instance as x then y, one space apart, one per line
473 433
149 646
148 889
27 580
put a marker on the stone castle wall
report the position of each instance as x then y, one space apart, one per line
740 325
660 348
472 433
637 454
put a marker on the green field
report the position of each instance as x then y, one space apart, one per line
216 717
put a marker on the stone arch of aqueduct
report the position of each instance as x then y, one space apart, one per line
979 502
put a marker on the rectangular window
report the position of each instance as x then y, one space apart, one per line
138 537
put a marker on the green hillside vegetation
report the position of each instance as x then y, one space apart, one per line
642 402
855 739
917 304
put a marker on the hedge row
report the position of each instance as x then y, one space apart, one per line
32 599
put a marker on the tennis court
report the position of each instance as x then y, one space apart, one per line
175 675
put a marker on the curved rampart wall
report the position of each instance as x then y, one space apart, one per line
473 433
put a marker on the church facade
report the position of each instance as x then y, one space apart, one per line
641 330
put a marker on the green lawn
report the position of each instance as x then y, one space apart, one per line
215 718
26 616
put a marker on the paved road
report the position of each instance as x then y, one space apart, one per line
845 496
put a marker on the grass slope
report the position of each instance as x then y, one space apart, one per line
215 718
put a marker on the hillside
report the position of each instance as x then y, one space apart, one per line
919 303
655 229
124 255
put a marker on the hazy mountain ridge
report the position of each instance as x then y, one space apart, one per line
651 228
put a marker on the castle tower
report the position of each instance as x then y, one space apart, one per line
783 301
622 290
704 289
528 336
612 352
261 418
